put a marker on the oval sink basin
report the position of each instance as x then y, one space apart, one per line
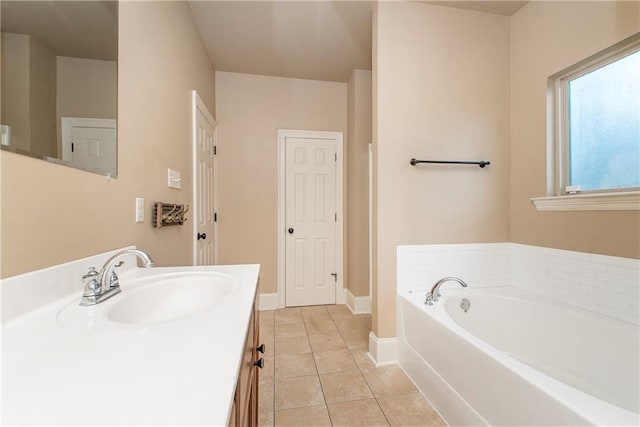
170 297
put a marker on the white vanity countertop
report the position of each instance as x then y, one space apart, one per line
64 364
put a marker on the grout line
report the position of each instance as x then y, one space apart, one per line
383 413
313 356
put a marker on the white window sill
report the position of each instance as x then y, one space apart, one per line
620 201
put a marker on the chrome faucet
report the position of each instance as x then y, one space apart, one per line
99 287
433 295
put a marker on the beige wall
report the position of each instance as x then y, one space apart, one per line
250 110
442 93
15 88
86 88
546 38
357 157
52 214
42 94
29 98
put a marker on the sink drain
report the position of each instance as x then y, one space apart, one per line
465 304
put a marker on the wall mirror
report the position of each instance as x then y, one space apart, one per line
59 83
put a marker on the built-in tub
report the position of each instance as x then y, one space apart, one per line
518 359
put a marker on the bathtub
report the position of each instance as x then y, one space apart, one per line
514 358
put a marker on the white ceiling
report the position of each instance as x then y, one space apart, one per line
319 40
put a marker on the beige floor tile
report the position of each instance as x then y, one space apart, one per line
291 392
265 418
265 397
265 404
287 330
292 345
267 328
389 380
298 392
309 416
313 310
318 325
288 315
351 322
326 342
366 319
295 365
319 320
364 362
266 316
344 386
409 410
334 361
357 413
356 337
267 373
339 311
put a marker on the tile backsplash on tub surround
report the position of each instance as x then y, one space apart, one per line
478 264
25 292
602 284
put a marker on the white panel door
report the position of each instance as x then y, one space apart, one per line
310 218
94 149
204 185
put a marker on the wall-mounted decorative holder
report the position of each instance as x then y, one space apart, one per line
165 214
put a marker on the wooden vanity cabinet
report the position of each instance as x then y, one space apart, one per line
245 404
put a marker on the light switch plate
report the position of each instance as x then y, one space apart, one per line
174 180
139 209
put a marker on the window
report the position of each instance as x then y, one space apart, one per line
595 127
598 122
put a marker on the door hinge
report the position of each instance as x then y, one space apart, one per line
215 217
335 216
335 276
72 147
215 150
335 156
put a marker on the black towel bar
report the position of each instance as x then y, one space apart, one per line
481 163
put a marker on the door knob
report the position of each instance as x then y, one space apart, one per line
259 363
202 236
260 348
290 230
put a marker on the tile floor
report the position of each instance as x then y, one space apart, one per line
317 373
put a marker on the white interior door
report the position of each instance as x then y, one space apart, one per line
90 144
311 221
94 149
204 184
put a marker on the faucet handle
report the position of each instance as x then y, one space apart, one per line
91 284
91 289
114 282
92 274
428 299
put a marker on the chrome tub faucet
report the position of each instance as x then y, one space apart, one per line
433 295
99 287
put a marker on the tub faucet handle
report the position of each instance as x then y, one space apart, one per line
428 299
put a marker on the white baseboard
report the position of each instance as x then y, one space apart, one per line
383 351
357 305
268 301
